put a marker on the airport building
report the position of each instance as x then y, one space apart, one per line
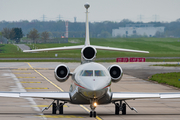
137 30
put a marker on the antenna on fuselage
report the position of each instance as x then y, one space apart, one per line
87 41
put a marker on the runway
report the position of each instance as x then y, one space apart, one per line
31 77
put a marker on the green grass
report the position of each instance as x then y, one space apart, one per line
158 47
172 79
168 65
39 61
8 48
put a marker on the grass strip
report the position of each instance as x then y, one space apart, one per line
172 79
75 60
168 65
39 61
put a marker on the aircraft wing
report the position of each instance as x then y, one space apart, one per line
57 48
116 96
64 96
118 49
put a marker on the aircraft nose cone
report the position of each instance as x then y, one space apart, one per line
97 84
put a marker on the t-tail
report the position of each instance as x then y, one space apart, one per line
88 52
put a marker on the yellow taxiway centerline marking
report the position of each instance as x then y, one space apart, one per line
30 82
45 78
26 77
59 116
30 69
20 69
46 106
34 88
21 73
97 117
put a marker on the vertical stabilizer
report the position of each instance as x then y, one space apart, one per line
87 41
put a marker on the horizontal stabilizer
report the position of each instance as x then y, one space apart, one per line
118 49
81 46
56 49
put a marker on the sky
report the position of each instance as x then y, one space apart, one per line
100 10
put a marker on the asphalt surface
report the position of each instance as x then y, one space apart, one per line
145 70
23 46
21 77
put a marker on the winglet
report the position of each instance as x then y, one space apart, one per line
87 41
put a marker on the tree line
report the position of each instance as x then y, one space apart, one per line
56 29
16 34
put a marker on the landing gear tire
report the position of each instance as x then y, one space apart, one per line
124 109
54 108
90 114
94 113
116 109
61 108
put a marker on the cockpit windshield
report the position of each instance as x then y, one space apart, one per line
99 73
87 73
90 73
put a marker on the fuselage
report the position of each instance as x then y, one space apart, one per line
90 81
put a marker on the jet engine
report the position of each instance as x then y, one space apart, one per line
115 72
61 73
88 53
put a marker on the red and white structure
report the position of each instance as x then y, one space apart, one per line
66 24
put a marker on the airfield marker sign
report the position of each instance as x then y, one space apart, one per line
122 60
133 59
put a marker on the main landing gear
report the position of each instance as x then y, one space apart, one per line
55 106
122 107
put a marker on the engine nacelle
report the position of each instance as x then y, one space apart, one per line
61 73
116 73
88 53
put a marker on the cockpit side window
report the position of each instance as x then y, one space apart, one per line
99 73
87 73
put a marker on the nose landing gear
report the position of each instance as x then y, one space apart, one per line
93 106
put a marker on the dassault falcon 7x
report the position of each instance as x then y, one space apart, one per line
91 82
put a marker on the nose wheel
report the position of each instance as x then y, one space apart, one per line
92 114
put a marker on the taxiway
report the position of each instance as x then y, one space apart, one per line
31 77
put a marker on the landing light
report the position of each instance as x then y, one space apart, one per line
95 104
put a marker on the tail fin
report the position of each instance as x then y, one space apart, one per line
87 40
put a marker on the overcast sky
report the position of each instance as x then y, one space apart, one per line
100 10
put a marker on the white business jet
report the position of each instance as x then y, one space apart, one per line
91 82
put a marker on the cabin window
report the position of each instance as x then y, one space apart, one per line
99 73
87 73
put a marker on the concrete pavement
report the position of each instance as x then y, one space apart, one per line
20 77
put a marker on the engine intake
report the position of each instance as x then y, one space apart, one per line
116 73
88 53
61 73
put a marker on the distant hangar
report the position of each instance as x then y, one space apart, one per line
137 30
